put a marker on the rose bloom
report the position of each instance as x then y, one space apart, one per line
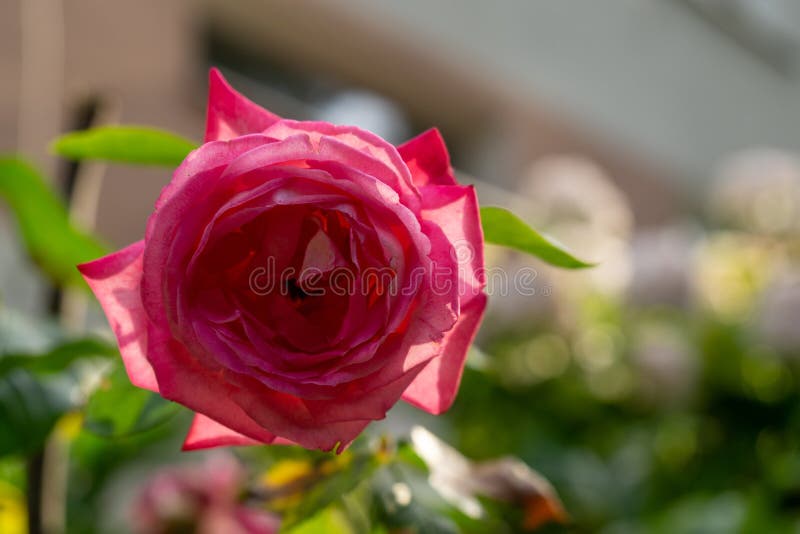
205 499
297 279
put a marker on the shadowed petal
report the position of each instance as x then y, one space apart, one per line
184 380
115 280
290 417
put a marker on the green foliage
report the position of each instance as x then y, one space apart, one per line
348 471
330 519
29 408
118 409
406 455
58 358
37 380
501 227
420 511
384 494
125 144
51 241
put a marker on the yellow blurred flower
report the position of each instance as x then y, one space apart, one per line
13 511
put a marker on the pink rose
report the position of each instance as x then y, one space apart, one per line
204 499
297 279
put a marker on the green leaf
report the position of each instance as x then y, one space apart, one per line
357 506
125 144
501 227
331 489
119 409
331 519
29 408
351 514
52 242
57 358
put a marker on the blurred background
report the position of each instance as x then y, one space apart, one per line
657 392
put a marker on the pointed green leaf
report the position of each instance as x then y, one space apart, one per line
501 227
125 144
52 242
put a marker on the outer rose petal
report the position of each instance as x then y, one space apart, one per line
183 380
207 158
454 209
205 433
358 139
290 417
231 114
115 279
435 388
427 159
355 140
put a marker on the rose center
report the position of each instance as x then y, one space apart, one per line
295 292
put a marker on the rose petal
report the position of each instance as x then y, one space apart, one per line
211 157
206 433
231 114
114 279
428 160
435 387
289 417
182 229
404 351
180 220
455 211
284 184
321 256
356 404
368 144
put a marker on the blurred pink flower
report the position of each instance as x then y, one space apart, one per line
204 499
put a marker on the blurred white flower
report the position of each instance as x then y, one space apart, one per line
759 190
666 363
732 269
568 189
778 313
511 307
461 481
661 258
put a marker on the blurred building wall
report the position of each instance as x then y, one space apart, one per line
653 75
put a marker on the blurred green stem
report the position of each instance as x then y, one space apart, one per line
54 491
35 474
